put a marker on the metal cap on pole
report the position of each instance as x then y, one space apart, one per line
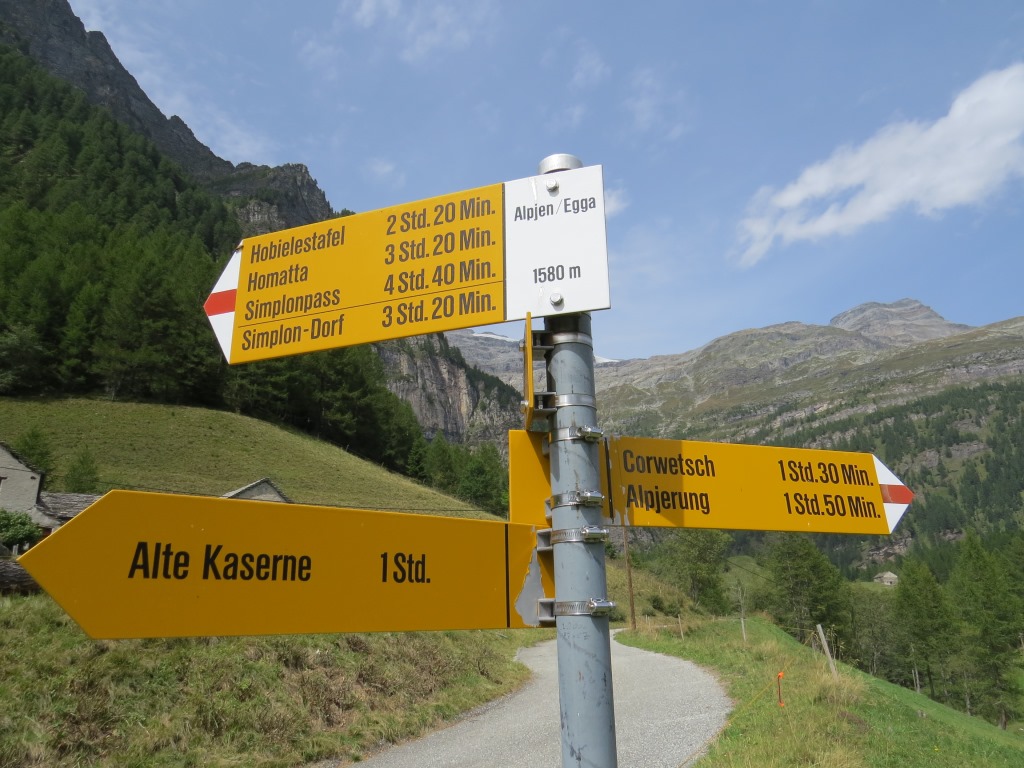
559 162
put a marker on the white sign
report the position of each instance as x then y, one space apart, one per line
556 250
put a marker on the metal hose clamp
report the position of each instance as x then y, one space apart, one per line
586 534
577 499
586 433
594 606
571 337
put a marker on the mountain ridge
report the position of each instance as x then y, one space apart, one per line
891 350
265 198
909 318
873 325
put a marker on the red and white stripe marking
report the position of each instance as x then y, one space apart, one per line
220 306
895 494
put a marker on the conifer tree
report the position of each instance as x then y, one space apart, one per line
990 620
34 447
806 588
83 475
926 623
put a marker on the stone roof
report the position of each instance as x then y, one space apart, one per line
64 506
18 457
252 489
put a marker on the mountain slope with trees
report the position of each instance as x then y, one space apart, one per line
446 395
107 253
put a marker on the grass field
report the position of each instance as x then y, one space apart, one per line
267 702
192 450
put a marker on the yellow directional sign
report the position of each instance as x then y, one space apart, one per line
529 478
476 257
691 484
528 403
159 565
529 481
651 482
529 489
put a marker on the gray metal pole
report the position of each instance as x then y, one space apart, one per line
581 604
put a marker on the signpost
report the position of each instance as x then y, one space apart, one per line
156 565
160 565
477 257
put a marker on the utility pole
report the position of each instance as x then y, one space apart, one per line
581 604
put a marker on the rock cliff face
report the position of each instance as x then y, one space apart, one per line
448 396
270 199
497 355
50 33
267 198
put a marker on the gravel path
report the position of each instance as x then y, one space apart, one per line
666 712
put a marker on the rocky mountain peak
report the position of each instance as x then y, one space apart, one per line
49 32
900 323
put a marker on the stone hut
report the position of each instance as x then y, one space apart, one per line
888 578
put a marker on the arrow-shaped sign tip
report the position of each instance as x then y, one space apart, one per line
220 306
895 495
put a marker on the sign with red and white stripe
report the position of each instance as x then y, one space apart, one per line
651 482
691 484
896 497
220 307
483 256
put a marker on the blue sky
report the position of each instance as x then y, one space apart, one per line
763 161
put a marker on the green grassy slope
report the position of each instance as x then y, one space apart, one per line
66 700
852 721
193 450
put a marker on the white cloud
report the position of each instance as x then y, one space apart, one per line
223 132
385 172
95 14
590 69
160 79
321 58
653 108
366 12
230 140
567 118
423 29
615 201
959 159
649 251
